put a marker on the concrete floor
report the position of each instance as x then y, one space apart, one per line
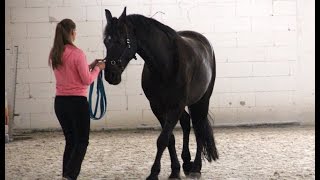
245 153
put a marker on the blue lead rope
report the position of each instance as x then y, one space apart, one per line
102 99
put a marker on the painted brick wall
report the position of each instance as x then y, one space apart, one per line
264 52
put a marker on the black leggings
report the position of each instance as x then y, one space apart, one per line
73 115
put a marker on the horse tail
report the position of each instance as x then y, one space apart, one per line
204 133
209 151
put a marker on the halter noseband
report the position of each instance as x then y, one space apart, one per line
128 46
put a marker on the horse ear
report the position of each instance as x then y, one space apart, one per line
108 16
122 18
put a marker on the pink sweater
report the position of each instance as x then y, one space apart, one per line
74 77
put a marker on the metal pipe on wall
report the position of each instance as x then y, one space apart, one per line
11 123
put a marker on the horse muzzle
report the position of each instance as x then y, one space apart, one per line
113 78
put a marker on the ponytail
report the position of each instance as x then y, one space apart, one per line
62 37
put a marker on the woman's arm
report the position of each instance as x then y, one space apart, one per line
86 76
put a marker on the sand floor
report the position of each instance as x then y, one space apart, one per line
245 153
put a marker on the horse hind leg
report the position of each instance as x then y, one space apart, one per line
185 155
175 165
204 135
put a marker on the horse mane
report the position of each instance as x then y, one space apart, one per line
142 21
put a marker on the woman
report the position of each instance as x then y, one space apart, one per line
73 76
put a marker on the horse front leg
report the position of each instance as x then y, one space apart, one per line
171 119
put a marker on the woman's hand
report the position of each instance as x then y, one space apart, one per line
101 65
94 63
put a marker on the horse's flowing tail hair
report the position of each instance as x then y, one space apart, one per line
209 146
203 129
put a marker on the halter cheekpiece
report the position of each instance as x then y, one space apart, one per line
128 46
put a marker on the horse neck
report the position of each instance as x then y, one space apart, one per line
155 48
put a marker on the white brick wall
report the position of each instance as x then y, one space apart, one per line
22 121
285 38
39 30
281 53
222 39
42 90
17 30
247 54
264 52
35 75
23 60
74 13
273 23
22 91
138 102
212 9
254 8
44 3
90 43
234 69
86 28
39 45
254 39
271 69
119 90
38 59
37 3
133 87
15 3
29 15
44 120
72 3
94 13
117 102
267 98
123 119
285 7
235 100
34 105
232 24
21 42
305 71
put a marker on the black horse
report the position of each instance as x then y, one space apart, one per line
179 71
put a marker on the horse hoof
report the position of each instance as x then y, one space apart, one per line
194 175
174 176
187 167
152 178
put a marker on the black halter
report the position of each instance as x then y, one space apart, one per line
128 46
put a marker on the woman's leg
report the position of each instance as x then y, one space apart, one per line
80 133
61 105
76 131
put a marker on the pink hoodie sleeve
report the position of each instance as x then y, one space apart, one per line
86 76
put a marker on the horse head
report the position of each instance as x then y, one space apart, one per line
121 46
